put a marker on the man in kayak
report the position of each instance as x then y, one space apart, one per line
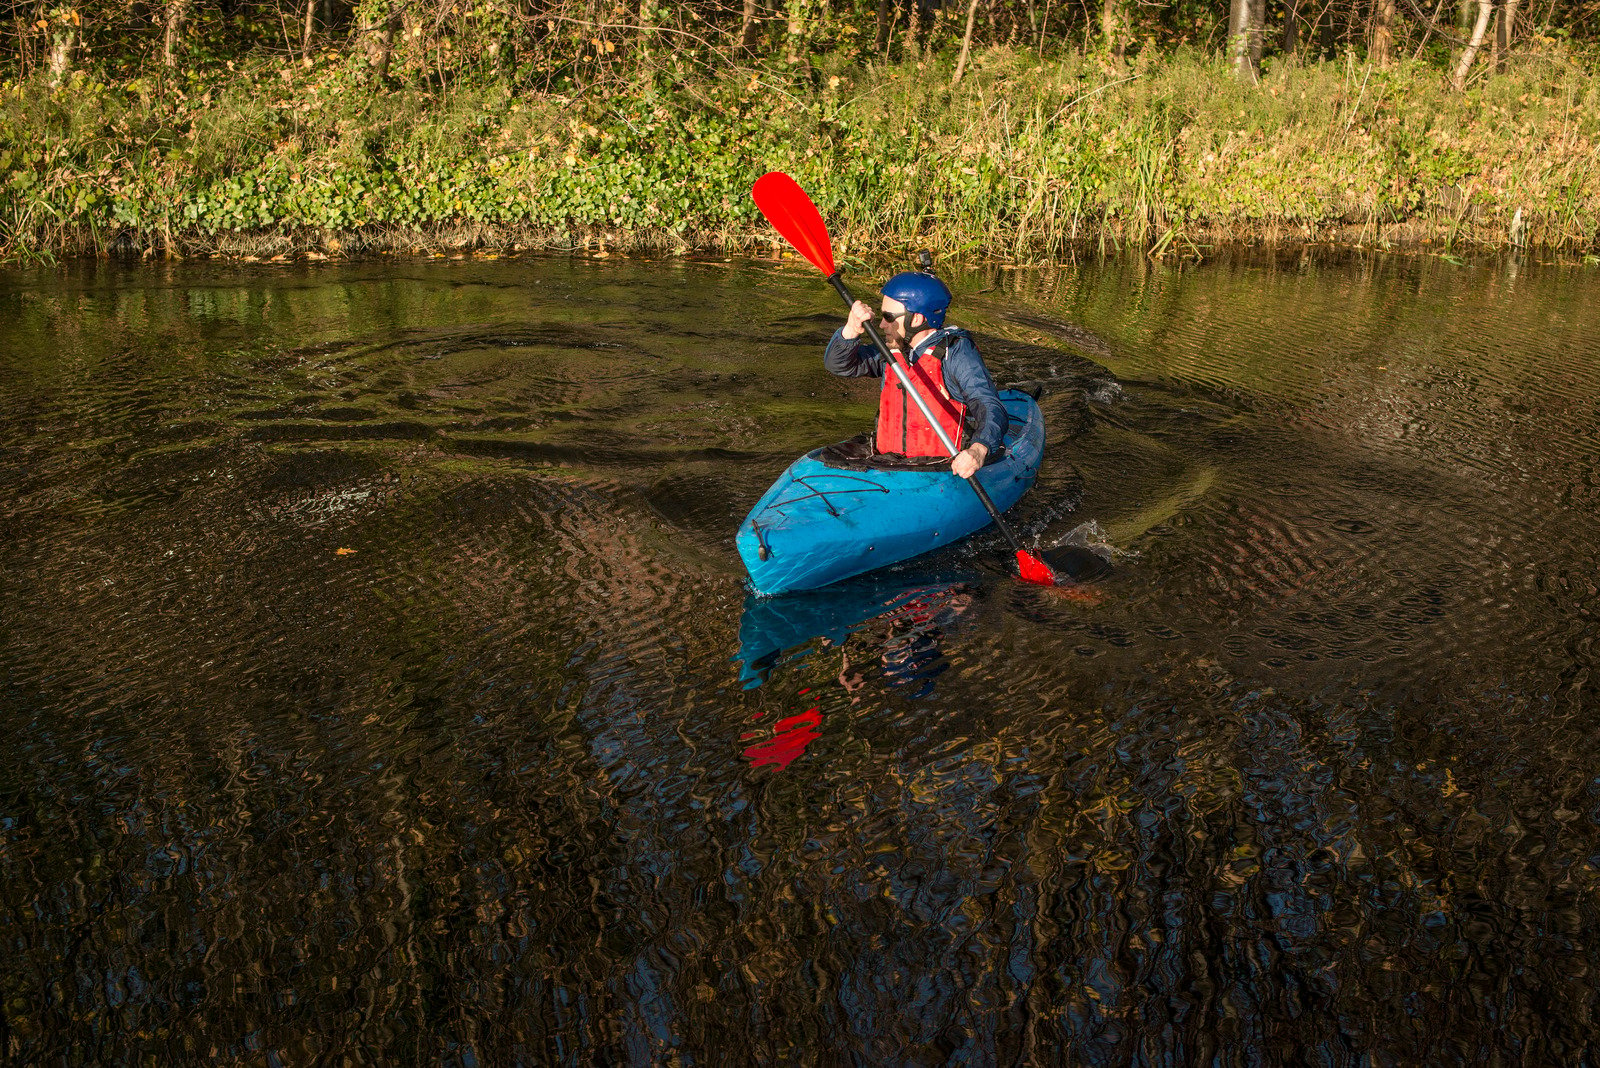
946 370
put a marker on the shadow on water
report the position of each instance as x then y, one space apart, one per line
378 681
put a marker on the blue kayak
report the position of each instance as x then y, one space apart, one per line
841 510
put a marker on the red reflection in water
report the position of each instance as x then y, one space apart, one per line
790 739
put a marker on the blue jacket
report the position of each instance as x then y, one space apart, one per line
965 377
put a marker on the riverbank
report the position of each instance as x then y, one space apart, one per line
1026 159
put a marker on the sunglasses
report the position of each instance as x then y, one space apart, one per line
888 316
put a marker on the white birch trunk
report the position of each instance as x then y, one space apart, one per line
1470 53
63 45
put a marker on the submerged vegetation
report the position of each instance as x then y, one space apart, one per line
327 130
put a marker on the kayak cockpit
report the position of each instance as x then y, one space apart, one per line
860 452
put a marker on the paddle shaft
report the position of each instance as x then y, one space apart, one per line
905 381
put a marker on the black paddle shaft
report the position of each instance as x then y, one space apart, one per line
837 282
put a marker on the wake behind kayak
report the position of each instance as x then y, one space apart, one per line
841 511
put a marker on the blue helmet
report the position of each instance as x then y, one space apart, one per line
920 292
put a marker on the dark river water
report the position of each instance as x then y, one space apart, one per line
378 683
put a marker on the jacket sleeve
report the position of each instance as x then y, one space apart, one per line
969 382
852 357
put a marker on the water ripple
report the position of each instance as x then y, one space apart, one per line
377 679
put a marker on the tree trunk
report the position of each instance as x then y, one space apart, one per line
795 46
1111 27
888 11
177 11
750 29
1238 12
377 37
966 42
1258 34
1291 26
63 44
1244 38
1381 49
1504 32
1470 53
310 28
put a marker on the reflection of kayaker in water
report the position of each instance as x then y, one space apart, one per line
946 370
912 655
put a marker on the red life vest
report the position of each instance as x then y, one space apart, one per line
901 426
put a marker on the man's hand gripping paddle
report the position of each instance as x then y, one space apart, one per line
792 214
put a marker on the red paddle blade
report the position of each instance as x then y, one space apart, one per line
1034 570
792 214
